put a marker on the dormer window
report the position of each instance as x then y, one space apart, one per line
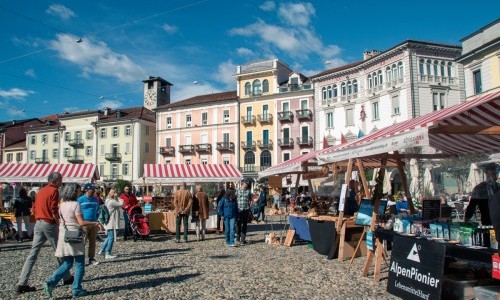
294 83
265 86
257 88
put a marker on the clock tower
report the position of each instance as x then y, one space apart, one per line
156 92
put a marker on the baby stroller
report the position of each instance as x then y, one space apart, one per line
138 223
7 230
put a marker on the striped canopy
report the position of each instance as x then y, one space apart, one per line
194 173
80 173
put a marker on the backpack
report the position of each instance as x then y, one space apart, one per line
103 215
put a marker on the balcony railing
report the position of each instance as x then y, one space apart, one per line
248 120
295 87
75 159
305 141
265 144
76 143
265 118
225 146
285 142
113 156
42 160
111 177
285 116
248 145
304 114
167 150
249 169
203 147
186 148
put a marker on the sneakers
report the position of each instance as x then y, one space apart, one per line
109 256
100 252
231 245
93 262
69 281
80 293
47 289
21 289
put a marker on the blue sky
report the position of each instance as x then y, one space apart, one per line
43 70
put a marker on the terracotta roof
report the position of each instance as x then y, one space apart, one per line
139 112
19 144
50 118
201 99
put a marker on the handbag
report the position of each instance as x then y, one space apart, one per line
72 236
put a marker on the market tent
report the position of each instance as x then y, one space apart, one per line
469 127
178 173
80 173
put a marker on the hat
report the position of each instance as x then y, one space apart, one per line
244 180
88 186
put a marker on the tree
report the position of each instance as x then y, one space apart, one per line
458 168
120 185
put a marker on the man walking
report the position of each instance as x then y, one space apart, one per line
46 213
182 204
262 203
243 198
129 200
90 205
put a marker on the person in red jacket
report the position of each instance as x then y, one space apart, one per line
129 200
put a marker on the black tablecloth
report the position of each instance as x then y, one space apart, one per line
323 234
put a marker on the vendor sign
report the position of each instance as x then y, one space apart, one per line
416 268
365 212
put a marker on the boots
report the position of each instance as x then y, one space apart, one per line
243 239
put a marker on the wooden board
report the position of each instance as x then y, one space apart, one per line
289 238
275 182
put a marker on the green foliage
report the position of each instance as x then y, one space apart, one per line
120 185
458 168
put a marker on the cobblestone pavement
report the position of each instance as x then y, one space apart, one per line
162 269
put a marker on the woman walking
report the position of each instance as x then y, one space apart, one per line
22 212
228 209
70 214
202 212
113 204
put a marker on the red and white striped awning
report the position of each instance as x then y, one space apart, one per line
430 130
194 173
80 173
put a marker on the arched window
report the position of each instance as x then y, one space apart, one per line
342 87
265 86
375 79
443 67
421 65
394 72
248 88
335 91
380 79
329 91
436 68
400 67
349 87
450 70
388 74
249 158
265 158
429 68
323 92
355 86
370 82
257 87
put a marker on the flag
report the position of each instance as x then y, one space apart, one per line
342 139
325 143
360 134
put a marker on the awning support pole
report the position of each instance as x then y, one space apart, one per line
362 174
404 182
347 178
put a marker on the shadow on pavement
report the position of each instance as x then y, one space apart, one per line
221 256
134 273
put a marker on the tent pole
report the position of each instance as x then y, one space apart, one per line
347 177
361 169
404 182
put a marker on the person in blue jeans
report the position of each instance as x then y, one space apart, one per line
228 209
113 204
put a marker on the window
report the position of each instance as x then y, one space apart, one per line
127 148
168 142
32 154
286 136
19 157
169 122
294 83
55 153
286 106
67 136
188 120
89 135
335 91
102 133
147 130
265 86
78 135
187 161
429 68
114 131
102 150
421 66
305 134
443 67
349 117
9 157
436 65
343 89
114 170
388 73
101 170
478 87
380 79
65 152
265 137
225 160
249 138
394 72
265 159
44 139
370 82
256 87
265 111
329 92
400 67
204 139
304 104
128 130
349 87
329 120
88 151
44 155
375 111
226 116
323 92
395 105
249 158
204 118
355 86
450 70
204 161
438 101
33 140
248 88
125 169
225 138
375 79
286 156
114 150
146 148
55 138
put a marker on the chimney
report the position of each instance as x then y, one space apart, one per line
107 110
369 54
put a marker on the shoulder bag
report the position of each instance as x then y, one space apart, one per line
72 236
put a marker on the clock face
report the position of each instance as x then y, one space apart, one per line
150 97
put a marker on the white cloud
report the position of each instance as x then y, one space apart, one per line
15 93
60 11
97 58
30 73
188 90
15 112
244 52
113 104
225 72
170 29
298 14
268 6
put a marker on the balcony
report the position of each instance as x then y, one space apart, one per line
265 118
295 87
225 146
285 142
113 156
42 160
285 116
249 169
304 114
186 148
305 141
248 120
111 177
75 159
76 143
167 151
248 145
206 148
265 144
